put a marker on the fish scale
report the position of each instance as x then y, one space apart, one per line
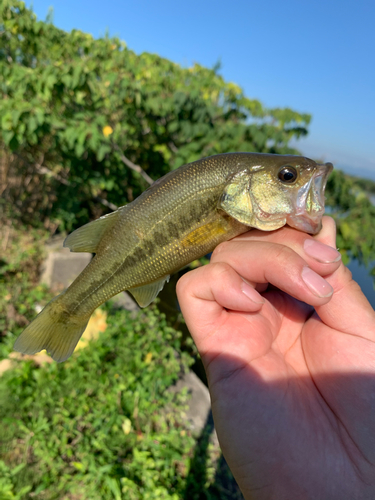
181 217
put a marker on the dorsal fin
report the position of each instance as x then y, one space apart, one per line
145 294
87 237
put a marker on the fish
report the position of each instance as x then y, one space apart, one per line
178 219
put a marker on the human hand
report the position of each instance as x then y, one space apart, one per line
292 389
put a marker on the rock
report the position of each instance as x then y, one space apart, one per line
14 357
62 266
124 301
5 364
199 411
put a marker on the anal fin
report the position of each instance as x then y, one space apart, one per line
145 294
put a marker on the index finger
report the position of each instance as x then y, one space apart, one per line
348 310
208 295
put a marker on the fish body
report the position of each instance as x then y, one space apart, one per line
181 217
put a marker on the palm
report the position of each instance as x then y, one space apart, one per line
292 389
291 404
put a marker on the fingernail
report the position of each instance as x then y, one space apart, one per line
318 285
251 293
322 253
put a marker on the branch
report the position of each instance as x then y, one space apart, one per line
133 166
106 203
173 147
41 169
46 171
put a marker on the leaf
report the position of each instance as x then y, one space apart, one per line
126 426
7 137
77 71
79 149
32 124
78 465
7 121
102 151
148 358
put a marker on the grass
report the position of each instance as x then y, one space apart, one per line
104 424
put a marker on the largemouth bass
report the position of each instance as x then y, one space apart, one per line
181 217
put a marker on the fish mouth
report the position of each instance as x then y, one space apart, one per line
310 202
305 223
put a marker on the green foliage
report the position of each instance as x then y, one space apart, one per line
22 254
366 185
71 104
349 204
104 422
7 487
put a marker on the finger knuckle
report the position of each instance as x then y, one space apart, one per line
183 284
218 268
222 247
348 275
283 254
220 272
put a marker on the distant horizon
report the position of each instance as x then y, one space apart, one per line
356 172
354 166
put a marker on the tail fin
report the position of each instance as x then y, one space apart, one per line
54 330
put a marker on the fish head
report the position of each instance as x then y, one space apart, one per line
279 190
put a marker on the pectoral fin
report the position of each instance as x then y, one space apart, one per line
87 237
144 295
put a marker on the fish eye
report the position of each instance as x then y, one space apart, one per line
288 174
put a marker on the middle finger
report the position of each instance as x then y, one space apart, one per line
285 269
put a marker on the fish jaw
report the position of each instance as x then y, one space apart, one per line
305 223
310 202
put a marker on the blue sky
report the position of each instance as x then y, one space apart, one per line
313 56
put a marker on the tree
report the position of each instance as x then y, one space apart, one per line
79 114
